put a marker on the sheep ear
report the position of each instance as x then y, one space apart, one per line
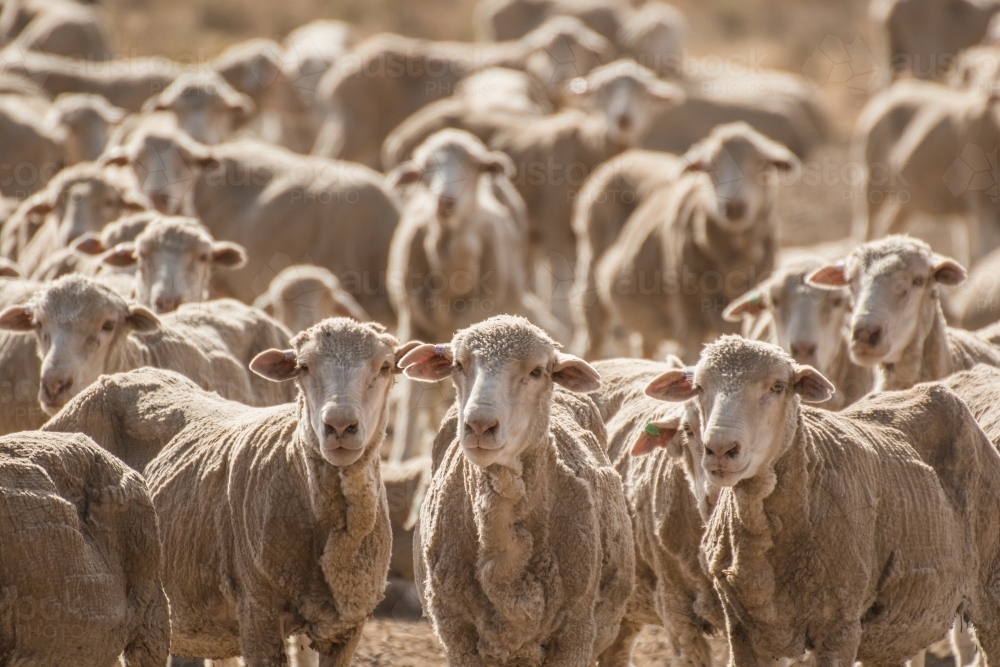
405 174
89 244
17 318
810 384
666 93
675 385
697 161
121 255
9 269
781 157
750 304
949 272
142 320
276 365
400 351
136 204
575 374
264 303
195 154
42 206
831 276
498 162
228 254
154 103
116 156
658 434
428 363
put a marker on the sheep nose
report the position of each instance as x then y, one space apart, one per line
726 448
803 351
624 123
160 201
53 388
446 205
166 304
339 425
735 209
482 425
867 334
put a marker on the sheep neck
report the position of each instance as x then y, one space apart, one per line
127 354
509 506
926 358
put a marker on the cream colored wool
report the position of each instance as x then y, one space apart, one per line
79 584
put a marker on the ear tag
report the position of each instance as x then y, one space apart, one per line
439 350
652 429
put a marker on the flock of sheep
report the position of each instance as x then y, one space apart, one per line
212 275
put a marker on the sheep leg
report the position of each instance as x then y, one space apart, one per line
341 654
574 643
261 640
840 649
619 654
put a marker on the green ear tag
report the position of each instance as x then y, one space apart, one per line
652 429
755 298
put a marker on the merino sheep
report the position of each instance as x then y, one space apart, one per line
363 108
897 324
525 553
301 295
84 255
697 245
912 139
80 550
86 120
312 556
61 27
655 449
457 257
206 107
281 207
33 152
655 35
84 329
19 368
609 196
858 534
808 322
500 20
82 198
174 257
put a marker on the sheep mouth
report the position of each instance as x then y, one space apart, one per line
723 477
863 355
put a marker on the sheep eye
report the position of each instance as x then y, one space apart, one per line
303 368
919 281
385 369
537 373
458 366
775 302
108 326
203 258
688 431
778 387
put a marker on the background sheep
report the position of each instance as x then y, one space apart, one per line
87 121
301 295
85 254
699 244
81 556
508 500
206 107
905 563
897 325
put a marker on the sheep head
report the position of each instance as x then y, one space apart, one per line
504 369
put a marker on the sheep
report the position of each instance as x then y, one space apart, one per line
85 329
655 35
206 107
80 548
504 88
921 38
654 448
525 553
62 27
33 153
976 68
910 139
281 207
82 198
86 253
611 193
808 322
700 243
301 295
896 323
86 120
362 108
453 230
174 257
500 20
19 370
855 534
125 82
312 556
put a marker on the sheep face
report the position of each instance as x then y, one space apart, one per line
627 96
741 163
78 323
345 371
503 370
893 284
86 205
299 301
448 165
206 107
175 258
86 121
809 322
561 49
747 397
